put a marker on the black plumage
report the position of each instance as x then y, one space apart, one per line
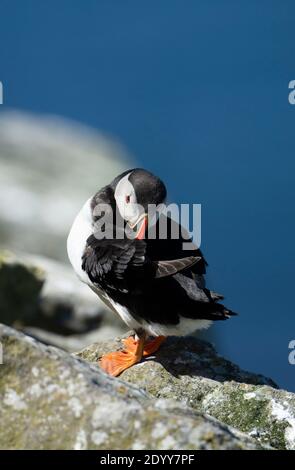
155 279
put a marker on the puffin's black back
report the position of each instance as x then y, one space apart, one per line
122 268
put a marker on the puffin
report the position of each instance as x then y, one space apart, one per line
155 285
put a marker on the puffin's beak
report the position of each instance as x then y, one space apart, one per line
142 224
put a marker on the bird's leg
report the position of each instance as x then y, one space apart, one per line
153 345
150 346
116 362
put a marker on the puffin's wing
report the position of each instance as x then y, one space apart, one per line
113 257
177 248
176 245
103 257
170 267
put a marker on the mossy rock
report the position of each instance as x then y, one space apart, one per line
189 371
52 400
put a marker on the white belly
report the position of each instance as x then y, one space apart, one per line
76 242
185 326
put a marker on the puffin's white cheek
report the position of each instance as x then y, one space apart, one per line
131 212
123 207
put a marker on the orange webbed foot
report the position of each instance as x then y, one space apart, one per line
130 343
153 345
115 363
149 348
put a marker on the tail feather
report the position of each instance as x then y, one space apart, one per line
216 296
213 311
223 312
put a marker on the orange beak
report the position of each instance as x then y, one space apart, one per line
142 228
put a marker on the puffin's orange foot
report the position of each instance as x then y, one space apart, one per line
116 362
152 346
149 348
130 343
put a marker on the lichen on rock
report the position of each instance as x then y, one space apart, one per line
52 400
189 371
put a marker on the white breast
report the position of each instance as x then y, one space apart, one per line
80 231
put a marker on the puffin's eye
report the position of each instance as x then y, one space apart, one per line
127 199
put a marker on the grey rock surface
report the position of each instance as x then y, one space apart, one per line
184 397
52 400
189 371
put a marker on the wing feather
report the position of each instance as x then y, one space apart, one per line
170 267
111 259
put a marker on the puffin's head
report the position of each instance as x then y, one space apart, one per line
134 191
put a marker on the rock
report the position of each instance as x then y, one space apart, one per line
20 288
52 400
189 370
45 298
49 166
76 342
